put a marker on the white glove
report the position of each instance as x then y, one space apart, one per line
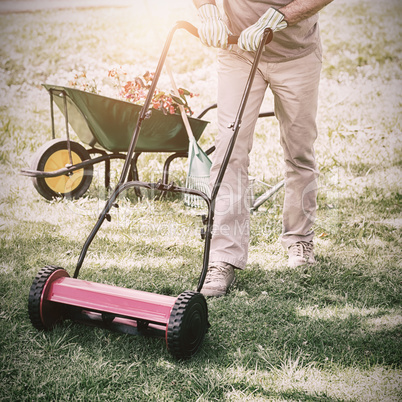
213 31
251 37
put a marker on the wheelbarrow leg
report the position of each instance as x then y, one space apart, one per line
107 174
133 173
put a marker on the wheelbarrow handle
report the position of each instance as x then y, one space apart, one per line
232 40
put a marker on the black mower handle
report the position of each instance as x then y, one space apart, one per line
122 185
232 40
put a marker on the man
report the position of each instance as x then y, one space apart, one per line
290 66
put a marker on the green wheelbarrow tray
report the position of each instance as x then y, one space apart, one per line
108 123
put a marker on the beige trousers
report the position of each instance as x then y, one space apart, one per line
294 85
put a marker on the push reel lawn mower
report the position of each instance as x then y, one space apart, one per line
183 320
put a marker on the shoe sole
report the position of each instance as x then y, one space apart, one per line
301 264
214 293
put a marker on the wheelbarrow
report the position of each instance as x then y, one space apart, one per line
182 321
64 168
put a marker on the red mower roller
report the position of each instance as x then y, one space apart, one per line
182 321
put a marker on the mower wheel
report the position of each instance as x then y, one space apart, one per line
188 324
44 314
54 156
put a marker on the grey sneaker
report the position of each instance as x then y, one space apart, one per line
220 276
300 253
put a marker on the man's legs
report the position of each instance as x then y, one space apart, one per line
295 88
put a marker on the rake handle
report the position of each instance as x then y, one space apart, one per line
181 107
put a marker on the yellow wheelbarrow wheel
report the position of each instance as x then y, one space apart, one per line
53 156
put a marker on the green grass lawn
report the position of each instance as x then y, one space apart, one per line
328 332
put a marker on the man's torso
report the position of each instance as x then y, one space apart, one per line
291 43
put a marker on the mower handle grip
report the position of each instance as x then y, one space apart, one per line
232 40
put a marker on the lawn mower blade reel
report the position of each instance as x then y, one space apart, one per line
182 321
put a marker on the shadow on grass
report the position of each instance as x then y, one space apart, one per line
336 317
